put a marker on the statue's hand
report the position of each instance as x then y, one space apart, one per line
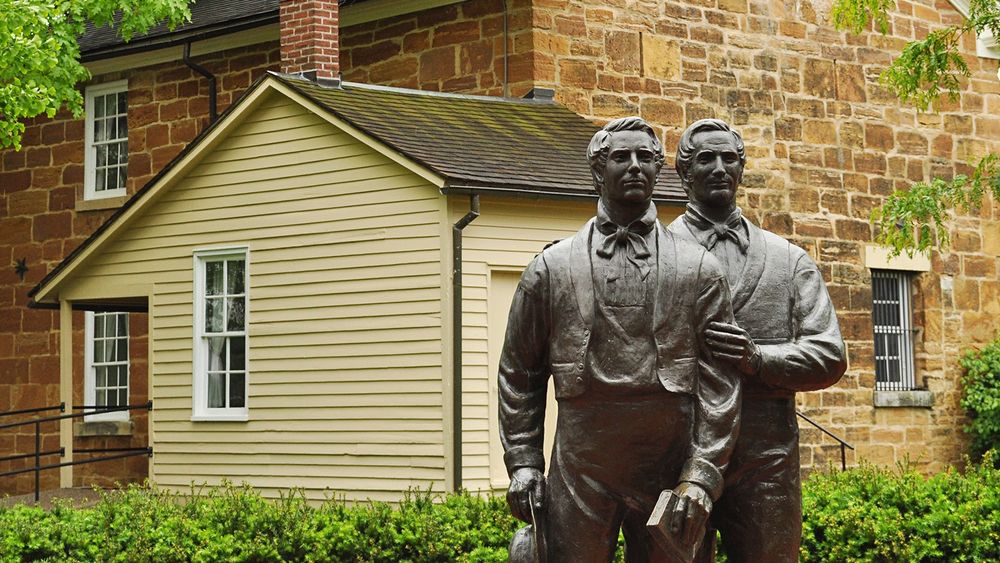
733 344
526 482
691 512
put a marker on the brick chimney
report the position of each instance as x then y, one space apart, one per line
310 39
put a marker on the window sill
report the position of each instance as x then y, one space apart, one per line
100 204
103 428
221 418
918 398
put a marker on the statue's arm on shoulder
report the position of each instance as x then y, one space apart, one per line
719 388
815 358
523 372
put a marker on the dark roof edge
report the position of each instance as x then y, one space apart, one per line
531 192
179 38
144 189
452 95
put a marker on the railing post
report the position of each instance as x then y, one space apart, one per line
38 459
843 457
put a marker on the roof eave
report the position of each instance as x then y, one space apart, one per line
537 192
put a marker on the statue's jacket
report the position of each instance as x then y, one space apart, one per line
783 304
549 331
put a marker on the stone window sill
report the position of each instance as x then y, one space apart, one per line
100 204
916 398
103 428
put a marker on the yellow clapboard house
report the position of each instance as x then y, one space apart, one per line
296 263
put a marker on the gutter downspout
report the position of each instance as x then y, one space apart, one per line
213 91
506 38
456 320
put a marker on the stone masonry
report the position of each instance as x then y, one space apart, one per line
826 144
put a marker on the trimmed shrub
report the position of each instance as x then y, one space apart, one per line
864 514
981 397
874 514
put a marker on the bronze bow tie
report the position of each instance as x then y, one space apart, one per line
632 237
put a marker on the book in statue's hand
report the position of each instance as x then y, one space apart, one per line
680 539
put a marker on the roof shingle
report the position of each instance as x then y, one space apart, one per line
477 142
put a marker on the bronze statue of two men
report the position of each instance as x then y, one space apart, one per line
675 353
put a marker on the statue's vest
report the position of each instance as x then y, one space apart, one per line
678 264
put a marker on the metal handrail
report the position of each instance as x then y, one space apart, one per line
61 407
843 445
38 453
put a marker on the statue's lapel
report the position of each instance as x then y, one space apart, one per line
666 277
752 269
581 272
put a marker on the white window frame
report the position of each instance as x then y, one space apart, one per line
200 410
987 46
90 373
90 191
902 332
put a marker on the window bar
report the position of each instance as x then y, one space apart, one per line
906 316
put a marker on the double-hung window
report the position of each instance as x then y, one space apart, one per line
106 136
220 336
106 364
893 328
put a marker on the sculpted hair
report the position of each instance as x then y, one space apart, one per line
600 145
685 149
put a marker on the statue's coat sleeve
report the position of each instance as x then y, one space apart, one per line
814 359
524 370
719 388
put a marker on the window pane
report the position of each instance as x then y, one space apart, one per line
122 132
122 398
123 376
123 324
111 104
122 102
122 354
98 106
235 276
99 351
102 398
213 278
216 390
237 390
98 325
102 156
237 353
213 315
100 131
99 180
109 351
217 354
236 313
102 376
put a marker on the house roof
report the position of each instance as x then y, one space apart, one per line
478 143
208 18
469 144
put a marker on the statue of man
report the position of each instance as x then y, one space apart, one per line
785 339
616 316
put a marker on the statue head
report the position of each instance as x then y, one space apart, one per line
710 161
625 159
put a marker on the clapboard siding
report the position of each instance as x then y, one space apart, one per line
344 315
505 237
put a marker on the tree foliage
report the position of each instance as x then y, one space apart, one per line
40 58
924 72
981 397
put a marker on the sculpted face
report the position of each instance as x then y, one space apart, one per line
630 173
715 170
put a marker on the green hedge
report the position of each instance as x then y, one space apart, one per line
864 514
981 397
871 514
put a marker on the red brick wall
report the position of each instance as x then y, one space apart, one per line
309 30
40 188
454 48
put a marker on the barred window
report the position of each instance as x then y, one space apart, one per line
893 326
